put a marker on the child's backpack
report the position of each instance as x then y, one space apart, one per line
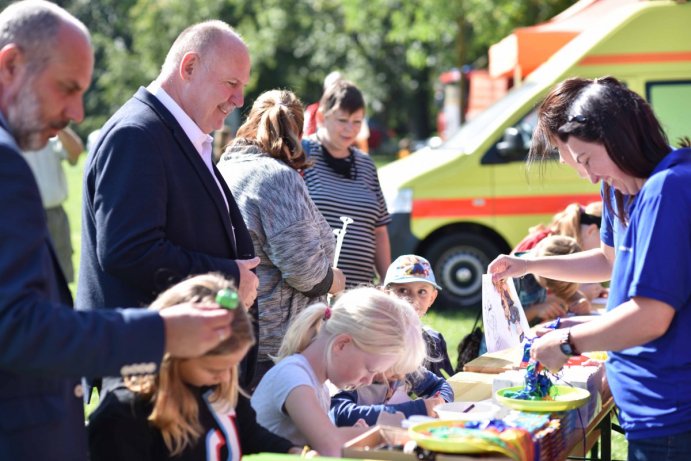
469 347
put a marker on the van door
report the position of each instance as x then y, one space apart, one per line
671 101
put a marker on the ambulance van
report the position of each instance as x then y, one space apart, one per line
472 198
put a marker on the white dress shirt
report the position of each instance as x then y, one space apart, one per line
201 141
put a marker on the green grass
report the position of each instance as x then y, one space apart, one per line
620 447
73 207
453 324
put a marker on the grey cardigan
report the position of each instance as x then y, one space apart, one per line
290 235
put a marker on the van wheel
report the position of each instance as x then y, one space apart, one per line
458 261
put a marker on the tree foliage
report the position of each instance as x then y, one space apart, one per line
393 49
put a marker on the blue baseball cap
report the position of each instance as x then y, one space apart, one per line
410 268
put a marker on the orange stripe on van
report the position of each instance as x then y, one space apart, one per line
499 206
636 58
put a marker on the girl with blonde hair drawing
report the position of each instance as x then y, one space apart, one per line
193 408
367 332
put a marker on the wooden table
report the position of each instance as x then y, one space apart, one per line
597 441
598 435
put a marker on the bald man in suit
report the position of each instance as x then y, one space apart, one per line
155 208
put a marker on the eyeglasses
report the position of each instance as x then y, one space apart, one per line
578 118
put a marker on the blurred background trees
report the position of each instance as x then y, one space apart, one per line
394 50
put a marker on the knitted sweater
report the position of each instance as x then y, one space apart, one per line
292 238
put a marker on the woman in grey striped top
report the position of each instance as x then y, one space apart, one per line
294 242
344 182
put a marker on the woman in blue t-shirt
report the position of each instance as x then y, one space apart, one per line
591 266
611 135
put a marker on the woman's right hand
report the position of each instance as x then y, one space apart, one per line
338 283
505 266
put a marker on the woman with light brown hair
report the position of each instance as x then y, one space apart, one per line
262 167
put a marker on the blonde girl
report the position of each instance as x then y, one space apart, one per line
365 333
581 223
191 409
569 293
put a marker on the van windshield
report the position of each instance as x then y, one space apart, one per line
487 119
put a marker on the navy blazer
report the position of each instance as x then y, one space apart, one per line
152 213
45 346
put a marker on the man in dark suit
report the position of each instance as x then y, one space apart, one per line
46 63
155 208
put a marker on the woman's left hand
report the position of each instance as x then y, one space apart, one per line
546 350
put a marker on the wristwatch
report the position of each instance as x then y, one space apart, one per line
566 346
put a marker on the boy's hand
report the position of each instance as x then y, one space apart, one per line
360 423
432 402
593 290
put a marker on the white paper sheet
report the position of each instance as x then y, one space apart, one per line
504 321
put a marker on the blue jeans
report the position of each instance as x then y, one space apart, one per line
670 448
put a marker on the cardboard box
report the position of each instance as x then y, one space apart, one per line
496 362
471 387
370 445
506 379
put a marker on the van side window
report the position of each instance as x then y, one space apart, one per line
514 144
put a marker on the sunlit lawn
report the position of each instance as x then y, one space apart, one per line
73 208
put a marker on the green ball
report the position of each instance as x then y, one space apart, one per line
227 299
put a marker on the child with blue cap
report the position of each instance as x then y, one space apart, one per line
411 277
